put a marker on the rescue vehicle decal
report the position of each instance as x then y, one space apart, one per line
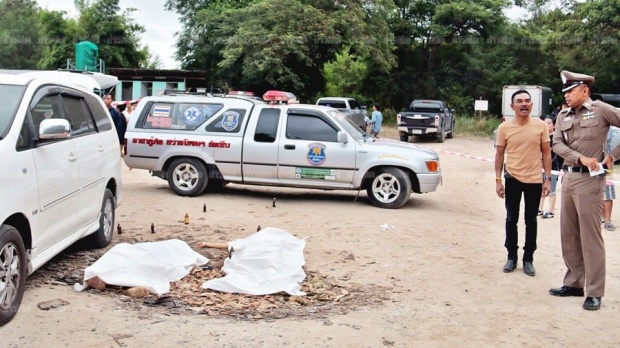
182 142
230 121
316 154
221 144
315 173
192 115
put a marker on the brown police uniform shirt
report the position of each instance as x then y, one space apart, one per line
583 132
523 148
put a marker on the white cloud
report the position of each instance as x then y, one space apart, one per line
159 24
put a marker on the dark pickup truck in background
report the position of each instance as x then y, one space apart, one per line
426 118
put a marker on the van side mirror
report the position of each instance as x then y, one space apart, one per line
54 129
364 107
342 137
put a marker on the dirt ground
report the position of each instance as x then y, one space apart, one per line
434 279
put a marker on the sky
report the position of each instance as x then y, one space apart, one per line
161 25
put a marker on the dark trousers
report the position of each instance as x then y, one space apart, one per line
531 195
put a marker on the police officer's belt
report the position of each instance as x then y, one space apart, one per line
579 169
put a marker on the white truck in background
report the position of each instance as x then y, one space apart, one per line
541 99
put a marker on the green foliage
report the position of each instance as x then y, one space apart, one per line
35 38
476 125
19 34
344 75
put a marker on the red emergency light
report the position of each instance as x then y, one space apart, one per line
279 96
240 93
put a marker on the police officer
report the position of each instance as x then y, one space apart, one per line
580 134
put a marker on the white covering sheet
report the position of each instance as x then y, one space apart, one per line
152 265
266 262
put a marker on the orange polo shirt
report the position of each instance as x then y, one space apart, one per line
523 148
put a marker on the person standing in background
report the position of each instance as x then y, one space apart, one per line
556 166
119 123
610 191
375 121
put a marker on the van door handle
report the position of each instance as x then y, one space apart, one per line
72 157
289 147
101 148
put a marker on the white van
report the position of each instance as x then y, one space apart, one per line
60 175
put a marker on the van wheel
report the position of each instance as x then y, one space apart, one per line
404 137
12 272
451 134
441 135
389 189
103 236
187 177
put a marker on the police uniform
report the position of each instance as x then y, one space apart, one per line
582 131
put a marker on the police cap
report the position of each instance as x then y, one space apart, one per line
572 80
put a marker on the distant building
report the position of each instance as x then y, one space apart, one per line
138 83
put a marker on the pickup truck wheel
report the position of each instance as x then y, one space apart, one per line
12 272
441 135
187 177
389 189
103 236
404 137
451 134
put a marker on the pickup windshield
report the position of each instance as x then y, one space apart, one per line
10 97
347 125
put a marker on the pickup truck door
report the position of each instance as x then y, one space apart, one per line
260 157
309 155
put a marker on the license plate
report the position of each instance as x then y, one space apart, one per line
416 131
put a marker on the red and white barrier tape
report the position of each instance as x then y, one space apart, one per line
560 173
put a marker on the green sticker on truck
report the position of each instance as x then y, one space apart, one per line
315 173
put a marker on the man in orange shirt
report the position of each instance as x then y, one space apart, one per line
525 140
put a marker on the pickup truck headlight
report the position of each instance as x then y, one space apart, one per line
437 120
398 118
432 165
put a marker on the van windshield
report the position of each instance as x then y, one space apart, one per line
10 98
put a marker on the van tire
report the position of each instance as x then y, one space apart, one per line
103 236
13 272
187 177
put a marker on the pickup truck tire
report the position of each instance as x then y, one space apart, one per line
451 134
441 135
390 188
404 137
13 271
103 236
187 177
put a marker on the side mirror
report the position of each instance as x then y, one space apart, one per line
452 110
364 107
342 137
54 128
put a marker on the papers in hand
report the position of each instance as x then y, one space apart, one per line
599 170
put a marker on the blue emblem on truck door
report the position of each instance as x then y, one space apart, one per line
316 154
230 120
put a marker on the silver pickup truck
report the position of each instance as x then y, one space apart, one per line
195 142
348 106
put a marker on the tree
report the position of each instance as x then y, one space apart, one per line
59 35
114 32
279 44
19 34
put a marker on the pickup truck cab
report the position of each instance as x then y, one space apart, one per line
197 142
348 106
426 117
